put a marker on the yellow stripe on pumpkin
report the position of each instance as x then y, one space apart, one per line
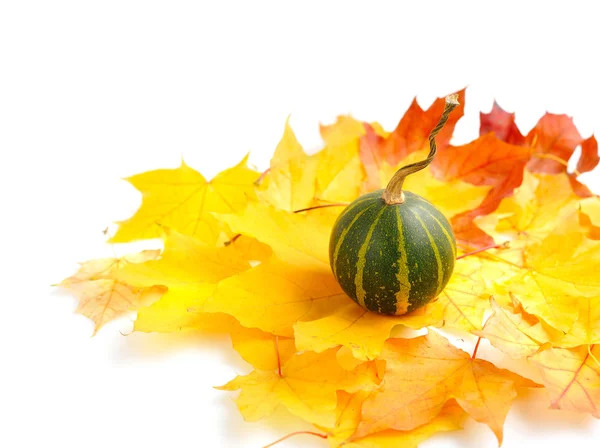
436 251
344 233
362 259
403 294
450 240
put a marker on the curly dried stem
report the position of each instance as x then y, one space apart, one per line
393 193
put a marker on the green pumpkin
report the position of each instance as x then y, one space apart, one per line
392 251
392 259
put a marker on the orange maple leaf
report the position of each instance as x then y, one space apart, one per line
422 374
411 135
553 141
571 375
102 295
485 161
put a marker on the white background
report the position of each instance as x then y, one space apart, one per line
91 92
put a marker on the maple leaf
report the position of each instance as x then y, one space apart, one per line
502 124
553 141
516 332
555 274
461 305
190 269
183 200
290 182
589 155
340 172
587 162
292 294
307 387
556 136
102 295
348 417
538 206
411 134
263 350
485 161
299 238
571 375
422 374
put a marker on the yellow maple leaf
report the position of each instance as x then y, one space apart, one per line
550 262
586 329
306 386
558 271
422 374
340 173
183 200
102 295
572 377
534 211
299 238
290 182
515 332
292 294
348 417
190 269
350 325
263 350
460 306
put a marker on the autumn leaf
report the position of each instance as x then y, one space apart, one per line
348 417
349 325
502 124
555 136
571 375
411 133
188 285
263 350
486 161
102 295
183 200
587 162
292 294
301 238
538 206
290 182
340 173
461 305
553 141
589 155
515 332
422 374
307 387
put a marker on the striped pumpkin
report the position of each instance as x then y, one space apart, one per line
392 259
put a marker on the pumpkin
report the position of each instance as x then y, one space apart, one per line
392 251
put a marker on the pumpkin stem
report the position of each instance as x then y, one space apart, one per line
393 193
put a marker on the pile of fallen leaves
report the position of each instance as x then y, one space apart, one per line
247 253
